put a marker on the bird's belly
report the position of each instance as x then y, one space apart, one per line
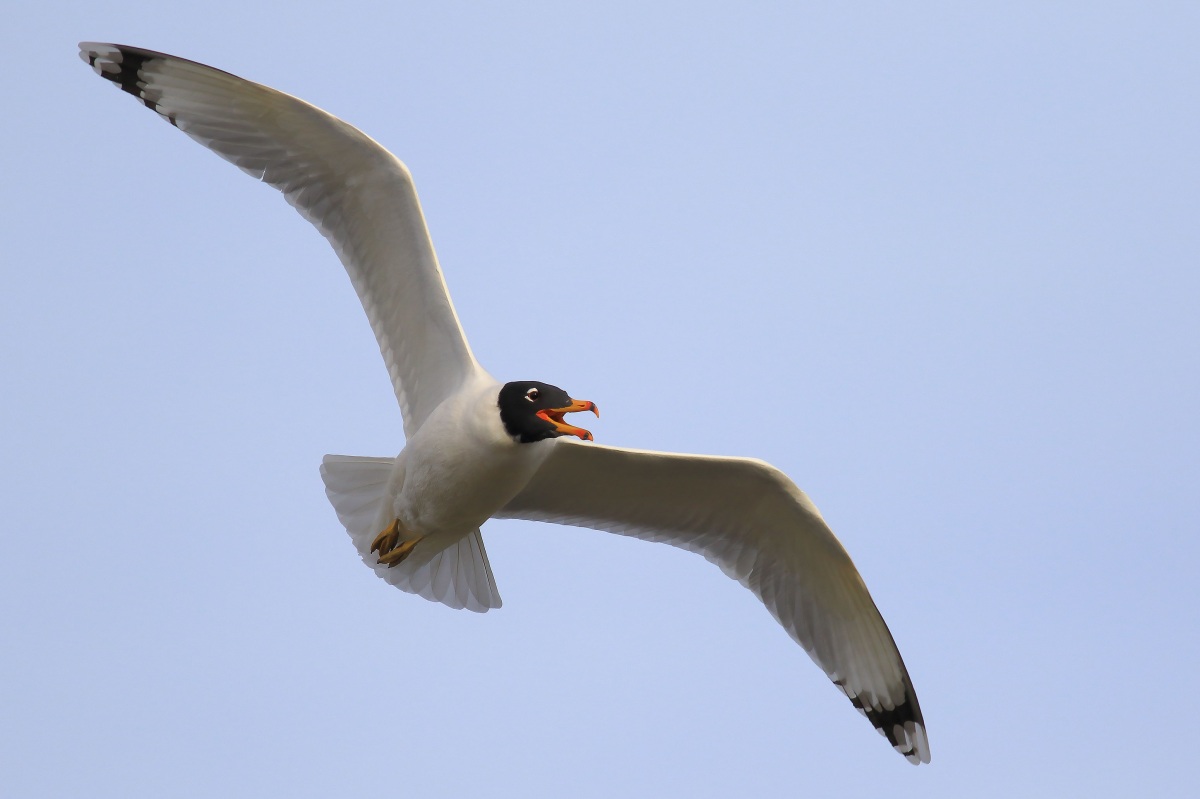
449 492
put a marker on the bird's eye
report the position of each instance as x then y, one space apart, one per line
531 394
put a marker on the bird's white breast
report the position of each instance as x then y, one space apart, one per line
461 466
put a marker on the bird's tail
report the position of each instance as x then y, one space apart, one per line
453 571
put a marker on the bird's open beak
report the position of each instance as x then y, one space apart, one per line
555 417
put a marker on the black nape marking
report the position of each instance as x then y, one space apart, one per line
126 77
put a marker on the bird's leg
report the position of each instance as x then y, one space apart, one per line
385 542
389 546
402 551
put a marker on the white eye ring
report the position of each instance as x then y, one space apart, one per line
531 394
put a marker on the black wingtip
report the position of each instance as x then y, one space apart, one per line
903 726
122 65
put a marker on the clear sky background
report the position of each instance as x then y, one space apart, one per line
936 261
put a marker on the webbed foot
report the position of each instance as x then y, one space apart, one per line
389 546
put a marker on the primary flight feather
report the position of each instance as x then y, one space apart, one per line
477 449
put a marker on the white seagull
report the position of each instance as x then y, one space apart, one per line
477 449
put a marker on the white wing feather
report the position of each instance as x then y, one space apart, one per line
355 192
760 529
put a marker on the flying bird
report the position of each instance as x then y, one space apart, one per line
476 448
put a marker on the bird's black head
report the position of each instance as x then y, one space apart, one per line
532 411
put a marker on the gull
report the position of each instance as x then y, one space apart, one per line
477 449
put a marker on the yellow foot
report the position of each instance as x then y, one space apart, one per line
389 546
385 542
398 554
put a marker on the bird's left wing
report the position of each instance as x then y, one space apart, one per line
360 196
760 529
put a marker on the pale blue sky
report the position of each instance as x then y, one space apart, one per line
936 261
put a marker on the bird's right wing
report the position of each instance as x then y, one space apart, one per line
760 529
360 196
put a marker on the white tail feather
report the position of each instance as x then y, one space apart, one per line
453 571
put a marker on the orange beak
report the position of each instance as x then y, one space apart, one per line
555 417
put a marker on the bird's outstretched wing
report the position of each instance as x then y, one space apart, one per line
760 529
355 192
